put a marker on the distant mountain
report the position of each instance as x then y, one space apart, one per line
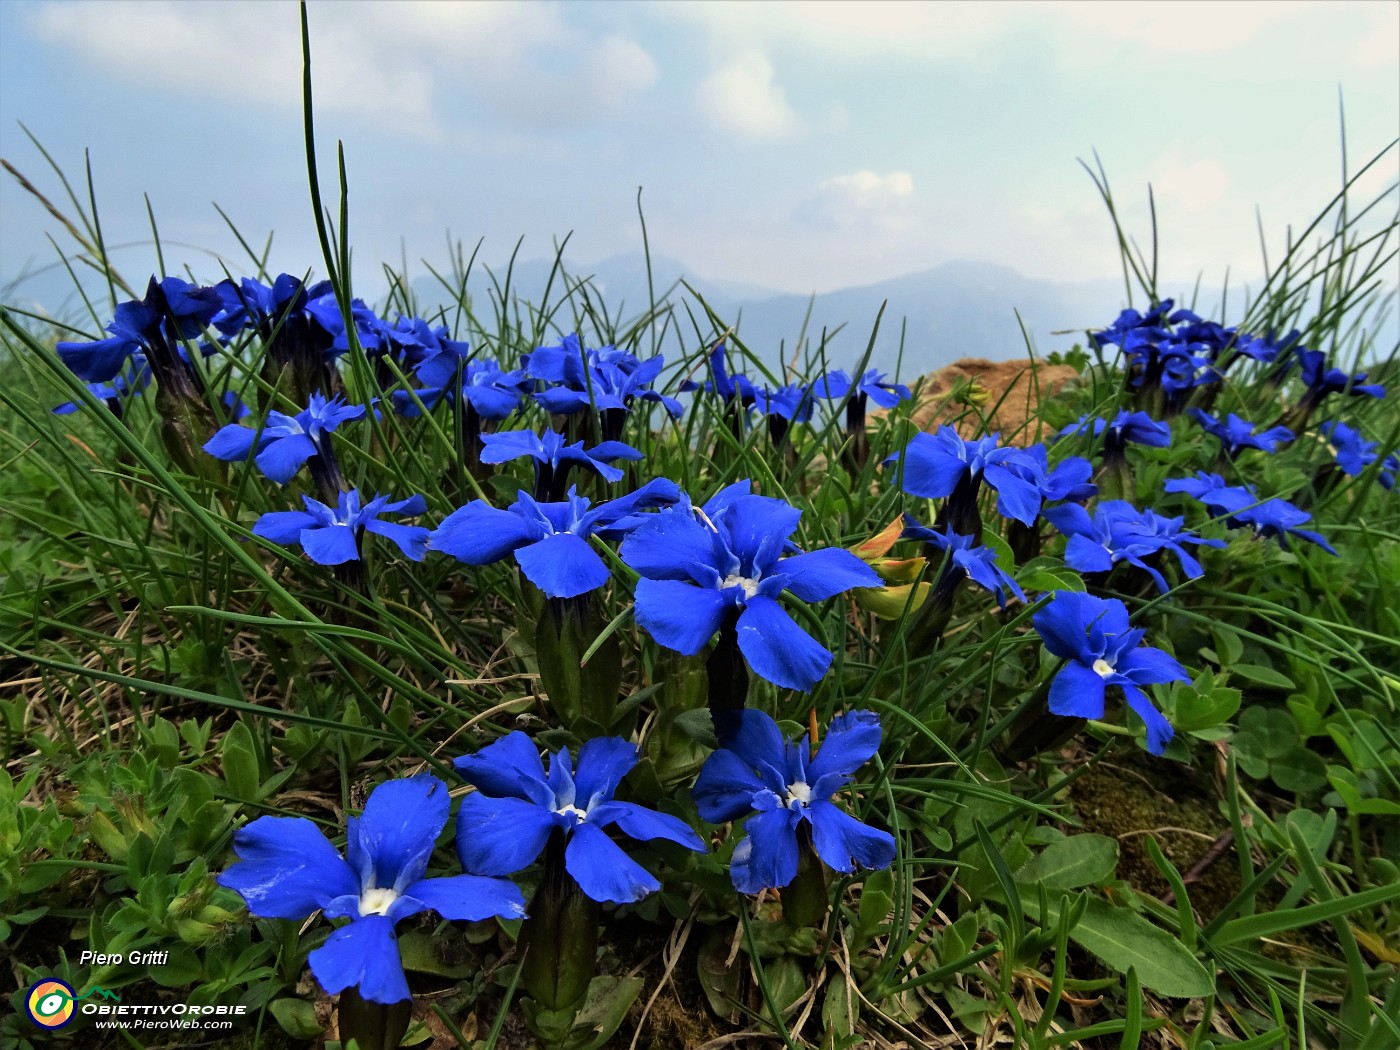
959 309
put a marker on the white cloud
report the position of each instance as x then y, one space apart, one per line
742 97
861 199
404 66
1192 186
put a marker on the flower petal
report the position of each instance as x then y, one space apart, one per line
777 649
672 546
500 836
510 767
287 868
281 459
563 565
602 763
363 955
231 442
1159 730
411 539
850 741
680 616
820 574
931 468
394 836
470 898
1148 666
284 526
725 788
1077 691
645 824
480 535
330 545
843 842
602 870
767 856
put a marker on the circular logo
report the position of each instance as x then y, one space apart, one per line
50 1003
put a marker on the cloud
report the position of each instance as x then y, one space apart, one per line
1193 186
411 67
741 97
861 199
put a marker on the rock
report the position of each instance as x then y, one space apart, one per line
1004 393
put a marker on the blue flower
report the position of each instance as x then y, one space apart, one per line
117 392
278 312
1131 324
936 464
1212 490
609 379
727 387
793 402
481 383
288 869
1269 348
784 785
1321 380
1390 472
837 384
1354 452
554 457
331 535
1280 519
549 540
1237 434
1118 531
506 822
286 442
325 308
1102 650
1067 480
726 559
979 562
173 309
1136 427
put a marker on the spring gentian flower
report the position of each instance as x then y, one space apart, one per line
117 392
489 391
1237 434
288 869
1390 472
553 457
506 822
1322 380
286 442
977 561
276 312
1212 490
728 387
783 785
934 465
726 560
792 402
1280 519
549 540
1102 650
871 386
1119 532
1136 427
331 535
608 378
172 310
1354 452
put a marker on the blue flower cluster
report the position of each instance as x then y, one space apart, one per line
288 869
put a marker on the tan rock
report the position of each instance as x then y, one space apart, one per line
977 397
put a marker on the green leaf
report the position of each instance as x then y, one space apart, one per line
297 1017
1261 675
1301 771
1122 938
240 762
1269 923
1081 860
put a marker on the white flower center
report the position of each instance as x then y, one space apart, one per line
573 811
750 586
800 793
1103 668
376 901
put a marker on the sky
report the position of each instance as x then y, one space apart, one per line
800 147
